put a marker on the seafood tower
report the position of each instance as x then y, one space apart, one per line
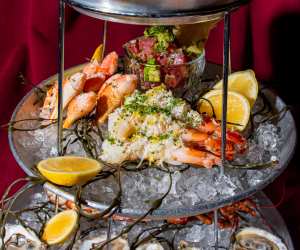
149 146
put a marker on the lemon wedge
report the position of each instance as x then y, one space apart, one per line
69 170
243 82
97 56
60 227
238 108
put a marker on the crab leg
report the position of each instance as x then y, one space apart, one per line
195 157
79 107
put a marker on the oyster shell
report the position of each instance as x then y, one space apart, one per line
19 238
93 241
153 245
251 238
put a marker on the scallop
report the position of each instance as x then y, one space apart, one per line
251 238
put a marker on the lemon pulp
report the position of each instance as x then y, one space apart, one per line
60 227
238 108
243 82
69 170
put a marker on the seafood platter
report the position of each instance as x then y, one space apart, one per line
155 149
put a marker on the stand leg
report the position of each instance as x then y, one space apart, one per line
104 38
216 229
61 38
225 86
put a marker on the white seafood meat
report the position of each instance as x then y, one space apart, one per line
252 238
19 238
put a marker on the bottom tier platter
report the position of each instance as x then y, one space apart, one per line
193 190
165 234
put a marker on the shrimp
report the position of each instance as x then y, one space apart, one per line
113 93
79 107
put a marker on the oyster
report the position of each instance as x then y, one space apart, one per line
251 238
91 242
153 245
183 245
19 238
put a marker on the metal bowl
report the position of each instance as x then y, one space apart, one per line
27 157
167 12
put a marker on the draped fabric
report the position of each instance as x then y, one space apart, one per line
264 37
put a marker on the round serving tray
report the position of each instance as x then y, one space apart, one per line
27 155
167 12
271 215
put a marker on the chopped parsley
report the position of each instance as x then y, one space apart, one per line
163 34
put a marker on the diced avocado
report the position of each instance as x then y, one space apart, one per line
151 74
196 49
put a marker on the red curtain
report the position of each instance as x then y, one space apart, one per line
264 37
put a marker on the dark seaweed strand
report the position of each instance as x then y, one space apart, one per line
40 92
278 116
253 166
77 203
154 234
82 130
114 206
136 241
80 133
11 124
156 204
4 214
266 108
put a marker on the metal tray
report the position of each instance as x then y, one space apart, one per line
27 158
167 12
271 215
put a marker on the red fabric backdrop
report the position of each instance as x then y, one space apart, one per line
264 37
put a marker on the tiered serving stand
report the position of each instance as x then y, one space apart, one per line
167 12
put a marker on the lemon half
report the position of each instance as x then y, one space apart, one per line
69 170
243 82
60 227
238 108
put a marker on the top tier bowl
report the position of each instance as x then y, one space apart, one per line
150 12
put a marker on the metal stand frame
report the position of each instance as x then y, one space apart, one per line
226 70
61 53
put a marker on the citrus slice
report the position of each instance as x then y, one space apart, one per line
243 82
98 53
238 108
60 227
69 170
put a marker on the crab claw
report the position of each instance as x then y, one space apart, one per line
113 93
195 157
79 107
71 88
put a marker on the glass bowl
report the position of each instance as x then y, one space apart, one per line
177 77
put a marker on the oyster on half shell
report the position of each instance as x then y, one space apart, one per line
92 242
19 238
251 238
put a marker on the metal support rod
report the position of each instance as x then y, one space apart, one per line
61 42
216 229
225 86
104 38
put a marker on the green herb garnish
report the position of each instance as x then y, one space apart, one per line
163 34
